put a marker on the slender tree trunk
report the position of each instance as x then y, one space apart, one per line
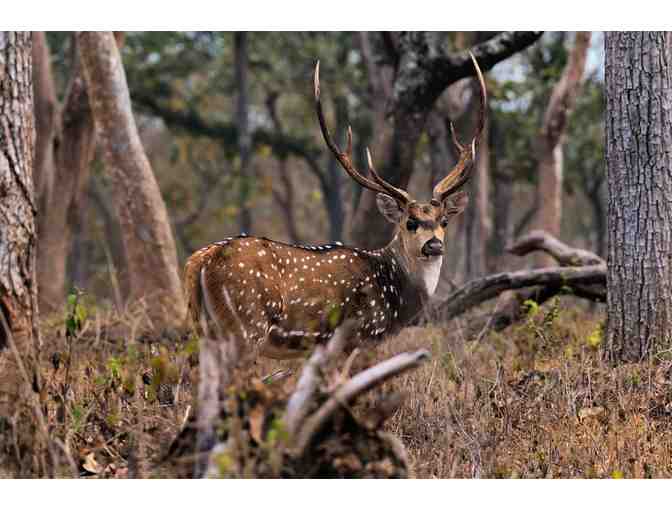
334 191
18 285
287 202
502 177
639 144
148 241
73 154
551 137
244 136
46 115
477 217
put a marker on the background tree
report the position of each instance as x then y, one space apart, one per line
639 142
66 143
425 66
148 240
18 286
548 213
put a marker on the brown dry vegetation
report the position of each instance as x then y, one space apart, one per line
534 401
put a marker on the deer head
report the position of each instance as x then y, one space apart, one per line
420 227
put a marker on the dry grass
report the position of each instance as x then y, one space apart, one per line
536 401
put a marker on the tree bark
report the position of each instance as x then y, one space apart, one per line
148 241
550 168
18 285
639 143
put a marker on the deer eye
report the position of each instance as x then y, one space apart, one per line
412 225
444 222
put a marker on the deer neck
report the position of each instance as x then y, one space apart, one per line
418 278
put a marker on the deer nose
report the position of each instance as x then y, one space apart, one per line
432 247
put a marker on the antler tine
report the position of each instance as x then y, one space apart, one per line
344 158
461 172
393 191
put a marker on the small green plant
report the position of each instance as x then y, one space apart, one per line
594 340
76 314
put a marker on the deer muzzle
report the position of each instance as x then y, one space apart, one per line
432 248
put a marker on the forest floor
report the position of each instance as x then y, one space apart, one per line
535 401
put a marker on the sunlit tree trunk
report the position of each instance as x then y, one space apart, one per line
639 144
148 241
550 143
18 286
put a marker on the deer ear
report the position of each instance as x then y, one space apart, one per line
456 204
389 207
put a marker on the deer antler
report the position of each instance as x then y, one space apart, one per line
461 172
345 158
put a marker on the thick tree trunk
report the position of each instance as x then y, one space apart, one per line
72 156
639 144
244 137
18 286
550 169
148 240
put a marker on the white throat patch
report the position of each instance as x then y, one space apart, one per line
430 274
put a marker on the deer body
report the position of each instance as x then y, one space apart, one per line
281 299
286 297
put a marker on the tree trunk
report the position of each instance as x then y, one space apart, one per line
148 241
502 178
370 229
18 286
73 154
639 143
46 115
477 220
243 125
550 171
334 190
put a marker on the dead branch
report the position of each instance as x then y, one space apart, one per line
477 291
361 383
582 273
539 240
311 376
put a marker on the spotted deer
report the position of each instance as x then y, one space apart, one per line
282 299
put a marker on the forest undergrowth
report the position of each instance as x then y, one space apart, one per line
534 401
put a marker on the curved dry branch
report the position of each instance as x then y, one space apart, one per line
539 240
361 383
311 376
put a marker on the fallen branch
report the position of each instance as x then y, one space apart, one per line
476 292
311 376
361 383
539 240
